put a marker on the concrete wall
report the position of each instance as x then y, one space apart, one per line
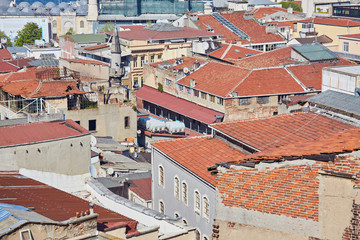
173 205
69 156
90 70
109 120
354 45
339 81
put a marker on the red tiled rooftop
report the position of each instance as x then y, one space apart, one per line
267 82
264 11
281 130
96 47
140 33
6 67
252 28
267 59
354 36
5 54
21 63
332 21
344 141
142 187
198 153
38 132
94 62
229 51
51 202
216 78
311 74
178 105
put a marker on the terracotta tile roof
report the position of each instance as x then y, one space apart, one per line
94 62
216 78
6 67
35 88
198 153
285 24
140 33
21 63
344 141
268 81
51 202
249 26
342 22
142 187
320 39
267 59
38 132
229 52
178 105
5 54
96 47
282 130
354 36
263 12
311 74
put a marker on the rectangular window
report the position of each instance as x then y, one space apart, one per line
197 203
168 82
263 100
346 46
25 235
244 101
188 90
78 122
203 95
177 188
181 88
135 62
184 193
159 57
136 81
212 98
127 122
220 101
142 61
92 125
196 93
152 58
206 208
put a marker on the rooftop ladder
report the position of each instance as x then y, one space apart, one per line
230 26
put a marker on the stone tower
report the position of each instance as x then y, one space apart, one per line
116 69
92 10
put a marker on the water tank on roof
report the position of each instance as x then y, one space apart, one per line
50 5
12 11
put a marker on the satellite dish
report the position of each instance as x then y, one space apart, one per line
93 171
186 70
110 171
92 141
3 40
205 45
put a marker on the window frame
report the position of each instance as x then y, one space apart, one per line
197 202
161 176
184 193
161 206
126 122
261 100
244 101
177 188
345 46
206 207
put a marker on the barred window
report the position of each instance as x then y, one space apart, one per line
184 193
177 188
161 176
263 100
197 202
206 206
244 101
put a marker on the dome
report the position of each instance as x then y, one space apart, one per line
27 11
50 5
82 10
36 5
13 11
73 5
23 5
63 5
4 4
55 11
83 2
41 11
68 9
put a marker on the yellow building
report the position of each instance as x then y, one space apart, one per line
332 27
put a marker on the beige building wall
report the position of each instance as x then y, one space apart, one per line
89 70
68 156
110 120
354 46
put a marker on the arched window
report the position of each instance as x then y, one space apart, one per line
197 234
197 202
177 188
161 176
82 24
184 193
185 221
176 215
54 24
206 208
161 207
205 237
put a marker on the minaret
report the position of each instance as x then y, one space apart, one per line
116 69
92 10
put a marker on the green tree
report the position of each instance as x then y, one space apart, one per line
108 27
8 42
28 34
296 7
70 31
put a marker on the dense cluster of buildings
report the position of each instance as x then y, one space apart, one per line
180 120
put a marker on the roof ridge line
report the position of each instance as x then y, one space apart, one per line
37 89
296 79
241 81
226 51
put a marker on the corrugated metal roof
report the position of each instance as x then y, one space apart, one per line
314 52
337 100
84 38
4 214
